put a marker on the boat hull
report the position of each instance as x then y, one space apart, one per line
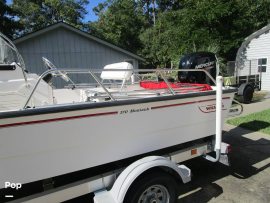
39 146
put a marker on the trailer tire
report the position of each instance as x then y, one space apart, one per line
248 94
159 186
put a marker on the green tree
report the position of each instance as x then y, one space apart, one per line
120 22
167 5
202 25
8 23
163 30
159 41
149 9
36 14
226 23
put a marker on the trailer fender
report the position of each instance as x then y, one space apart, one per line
133 171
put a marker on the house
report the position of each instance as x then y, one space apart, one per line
253 57
70 48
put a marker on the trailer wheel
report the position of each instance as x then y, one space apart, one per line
248 94
156 187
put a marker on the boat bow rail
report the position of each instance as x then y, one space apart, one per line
114 91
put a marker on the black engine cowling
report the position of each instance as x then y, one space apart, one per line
198 60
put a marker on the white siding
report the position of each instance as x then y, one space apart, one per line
260 48
67 49
250 68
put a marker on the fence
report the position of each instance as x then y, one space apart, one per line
246 68
249 71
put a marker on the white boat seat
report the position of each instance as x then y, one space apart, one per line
117 75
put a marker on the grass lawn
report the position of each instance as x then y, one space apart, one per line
259 121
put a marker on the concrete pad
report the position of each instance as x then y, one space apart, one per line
246 180
256 106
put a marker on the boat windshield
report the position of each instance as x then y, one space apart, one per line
8 52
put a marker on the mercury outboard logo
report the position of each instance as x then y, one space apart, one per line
205 65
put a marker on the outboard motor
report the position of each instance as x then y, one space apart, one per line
198 60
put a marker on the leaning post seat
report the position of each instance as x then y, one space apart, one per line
117 75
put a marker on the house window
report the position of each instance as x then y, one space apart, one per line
262 64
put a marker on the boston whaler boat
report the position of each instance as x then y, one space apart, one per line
46 132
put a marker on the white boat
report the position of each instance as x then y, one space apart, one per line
47 132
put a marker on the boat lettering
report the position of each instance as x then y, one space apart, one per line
204 65
139 110
209 108
123 112
134 110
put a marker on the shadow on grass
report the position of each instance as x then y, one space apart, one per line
255 125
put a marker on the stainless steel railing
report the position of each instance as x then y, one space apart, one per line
92 73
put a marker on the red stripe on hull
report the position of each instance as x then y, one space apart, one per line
98 114
57 119
185 103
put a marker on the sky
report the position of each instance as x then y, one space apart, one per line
88 17
91 15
